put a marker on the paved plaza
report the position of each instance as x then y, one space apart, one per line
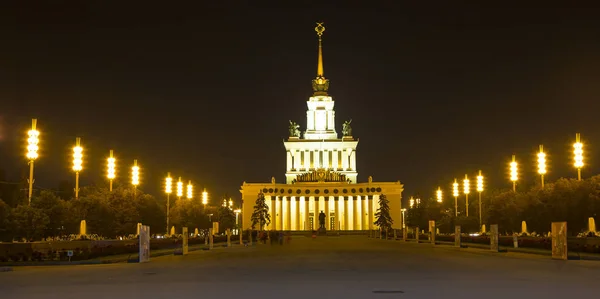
327 267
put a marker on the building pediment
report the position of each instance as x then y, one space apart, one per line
321 175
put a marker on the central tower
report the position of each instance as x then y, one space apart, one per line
320 149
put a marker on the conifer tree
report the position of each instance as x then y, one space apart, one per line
260 215
383 219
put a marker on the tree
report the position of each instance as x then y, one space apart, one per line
29 222
260 215
383 219
58 211
226 218
4 221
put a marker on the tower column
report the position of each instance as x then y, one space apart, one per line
306 213
353 160
273 212
298 222
337 213
326 159
334 160
370 207
346 213
289 165
306 154
297 161
355 200
317 155
288 216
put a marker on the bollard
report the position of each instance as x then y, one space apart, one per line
241 239
417 233
559 240
432 231
210 238
515 241
184 241
404 234
395 234
494 238
457 236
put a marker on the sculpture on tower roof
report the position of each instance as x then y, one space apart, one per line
294 129
346 128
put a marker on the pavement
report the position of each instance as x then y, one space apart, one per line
341 267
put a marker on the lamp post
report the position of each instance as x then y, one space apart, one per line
77 163
479 190
578 153
514 173
466 190
542 164
438 195
204 198
190 190
179 188
110 171
135 177
168 190
230 204
411 202
455 194
403 222
32 152
237 212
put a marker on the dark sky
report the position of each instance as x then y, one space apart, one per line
434 91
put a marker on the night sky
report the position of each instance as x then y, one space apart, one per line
435 92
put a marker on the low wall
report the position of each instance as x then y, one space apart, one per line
590 245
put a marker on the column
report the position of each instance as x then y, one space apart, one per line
306 159
326 159
306 213
297 160
337 212
334 159
346 213
353 160
273 225
370 207
326 199
317 155
288 216
355 200
298 222
289 161
344 157
364 211
281 212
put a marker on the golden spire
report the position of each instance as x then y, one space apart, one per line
320 29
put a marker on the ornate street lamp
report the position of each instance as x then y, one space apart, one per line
77 163
32 152
542 164
110 171
479 190
168 190
578 155
514 173
438 195
455 194
467 190
135 177
190 190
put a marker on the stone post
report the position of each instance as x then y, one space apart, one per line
432 231
417 233
559 240
457 236
241 237
494 238
404 234
184 240
210 238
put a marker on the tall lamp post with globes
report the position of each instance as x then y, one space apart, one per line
179 188
455 194
578 153
542 164
438 195
514 173
110 170
467 190
168 190
204 198
77 163
479 190
135 177
190 190
32 152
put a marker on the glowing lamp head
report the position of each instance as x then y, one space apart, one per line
514 170
230 203
135 174
412 202
438 194
179 188
33 138
479 182
168 184
578 152
77 156
541 161
204 197
190 190
111 165
466 186
455 188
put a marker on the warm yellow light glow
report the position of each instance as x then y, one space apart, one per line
111 165
412 202
455 188
168 183
514 170
438 194
204 197
135 174
237 211
466 187
179 188
230 203
190 190
578 152
77 156
541 161
480 182
33 141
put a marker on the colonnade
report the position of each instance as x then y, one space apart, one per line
341 212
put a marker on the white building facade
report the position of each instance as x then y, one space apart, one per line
321 175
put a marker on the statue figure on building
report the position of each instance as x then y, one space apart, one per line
321 220
346 128
294 129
